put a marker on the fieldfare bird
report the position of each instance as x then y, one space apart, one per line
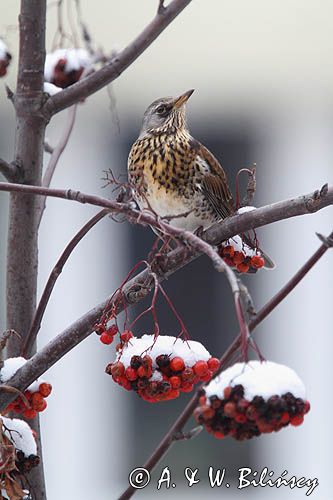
173 174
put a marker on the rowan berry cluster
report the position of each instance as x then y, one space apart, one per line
64 67
236 411
33 401
160 369
18 440
240 260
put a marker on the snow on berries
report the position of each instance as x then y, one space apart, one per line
5 58
159 369
33 401
249 399
63 67
236 253
22 437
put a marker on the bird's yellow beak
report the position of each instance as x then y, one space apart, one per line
179 101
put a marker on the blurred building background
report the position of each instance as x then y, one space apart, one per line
263 83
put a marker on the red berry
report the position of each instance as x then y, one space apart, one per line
264 427
284 418
240 418
204 378
105 338
227 392
175 382
213 364
187 387
238 257
188 375
30 413
202 400
142 372
229 251
200 368
45 389
207 412
172 394
112 330
117 369
219 435
177 364
131 374
297 420
257 262
38 403
229 409
126 336
242 267
307 406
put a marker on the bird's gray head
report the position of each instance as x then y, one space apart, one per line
165 115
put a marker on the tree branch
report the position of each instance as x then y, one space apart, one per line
118 64
8 170
237 224
56 152
22 253
55 273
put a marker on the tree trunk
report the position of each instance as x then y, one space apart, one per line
22 258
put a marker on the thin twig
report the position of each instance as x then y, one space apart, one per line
251 187
116 65
56 153
55 273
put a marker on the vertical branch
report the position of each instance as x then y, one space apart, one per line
30 127
22 263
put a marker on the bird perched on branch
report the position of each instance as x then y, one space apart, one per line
174 174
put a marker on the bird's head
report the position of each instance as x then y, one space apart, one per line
165 115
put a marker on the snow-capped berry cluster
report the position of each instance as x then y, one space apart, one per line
35 395
5 58
63 67
23 439
249 399
160 369
241 256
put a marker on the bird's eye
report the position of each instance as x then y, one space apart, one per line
161 109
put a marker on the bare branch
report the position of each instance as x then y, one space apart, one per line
55 273
251 188
8 170
56 152
117 64
221 231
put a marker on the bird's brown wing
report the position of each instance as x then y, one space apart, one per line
215 184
